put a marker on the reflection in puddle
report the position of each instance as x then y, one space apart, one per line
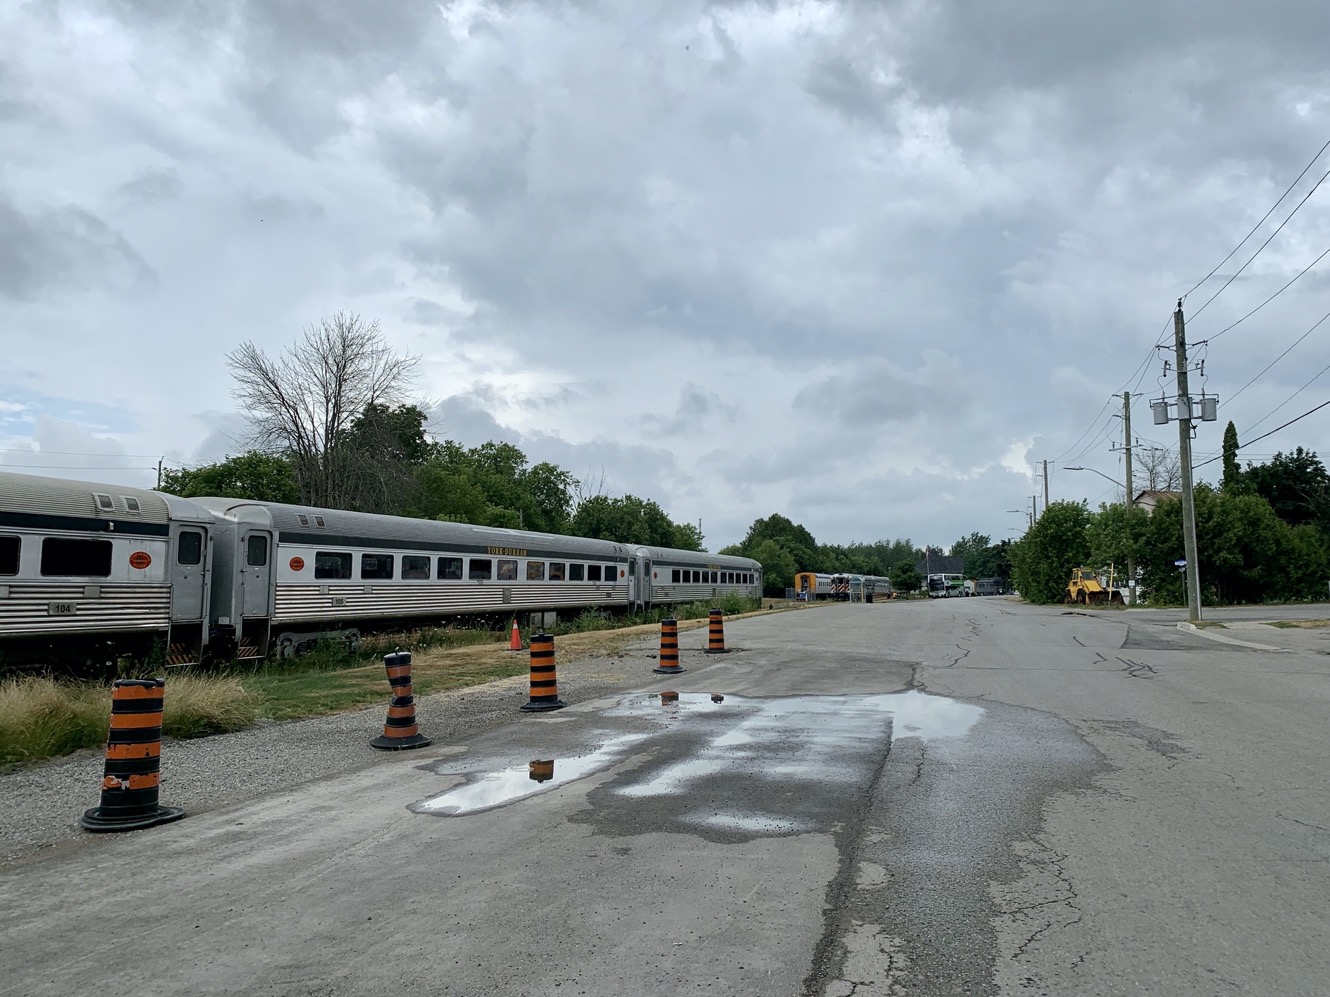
507 785
795 739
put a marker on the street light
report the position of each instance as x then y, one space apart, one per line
1100 473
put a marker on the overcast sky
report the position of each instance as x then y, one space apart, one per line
862 264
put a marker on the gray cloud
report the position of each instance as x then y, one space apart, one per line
64 247
150 186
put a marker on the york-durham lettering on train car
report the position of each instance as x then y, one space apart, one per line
506 551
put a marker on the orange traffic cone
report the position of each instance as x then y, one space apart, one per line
515 641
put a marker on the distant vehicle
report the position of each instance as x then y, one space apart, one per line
990 586
945 586
840 588
1090 587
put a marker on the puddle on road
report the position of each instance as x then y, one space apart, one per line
508 785
790 739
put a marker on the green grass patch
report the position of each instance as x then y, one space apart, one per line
41 717
1299 624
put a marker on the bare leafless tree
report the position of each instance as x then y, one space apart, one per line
1159 468
589 486
304 402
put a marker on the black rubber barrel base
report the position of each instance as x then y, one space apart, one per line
400 743
92 820
669 671
723 650
549 704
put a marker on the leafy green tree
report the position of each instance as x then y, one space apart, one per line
1113 534
688 536
796 540
905 576
1296 486
778 565
627 520
1042 560
252 475
1233 481
972 548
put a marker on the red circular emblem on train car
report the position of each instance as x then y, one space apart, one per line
140 559
297 564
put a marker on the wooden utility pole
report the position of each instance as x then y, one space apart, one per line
1045 486
159 474
1184 455
1126 446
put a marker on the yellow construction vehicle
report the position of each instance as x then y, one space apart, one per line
1087 587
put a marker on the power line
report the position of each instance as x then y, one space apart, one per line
1263 245
1263 218
76 467
1273 431
72 453
1280 357
1269 299
1286 400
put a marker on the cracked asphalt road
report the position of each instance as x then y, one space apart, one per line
929 798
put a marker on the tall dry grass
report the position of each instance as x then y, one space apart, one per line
43 718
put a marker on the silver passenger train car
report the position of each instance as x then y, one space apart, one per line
88 565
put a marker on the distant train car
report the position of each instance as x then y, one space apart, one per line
840 587
876 587
336 572
810 586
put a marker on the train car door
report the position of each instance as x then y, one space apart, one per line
189 575
644 572
256 590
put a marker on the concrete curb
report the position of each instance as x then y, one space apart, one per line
1201 632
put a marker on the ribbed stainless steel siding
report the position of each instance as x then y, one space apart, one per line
117 607
297 601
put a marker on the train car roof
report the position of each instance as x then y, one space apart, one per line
341 527
671 554
31 493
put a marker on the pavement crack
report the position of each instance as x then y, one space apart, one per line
1138 669
1303 823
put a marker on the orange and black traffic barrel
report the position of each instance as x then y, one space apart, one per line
133 761
544 677
716 633
669 648
400 730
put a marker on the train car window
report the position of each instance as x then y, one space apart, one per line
78 558
304 520
715 578
535 571
674 575
593 572
332 564
9 555
611 573
481 568
189 547
576 572
507 570
632 569
376 565
415 566
256 550
450 568
131 504
318 521
104 502
557 571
